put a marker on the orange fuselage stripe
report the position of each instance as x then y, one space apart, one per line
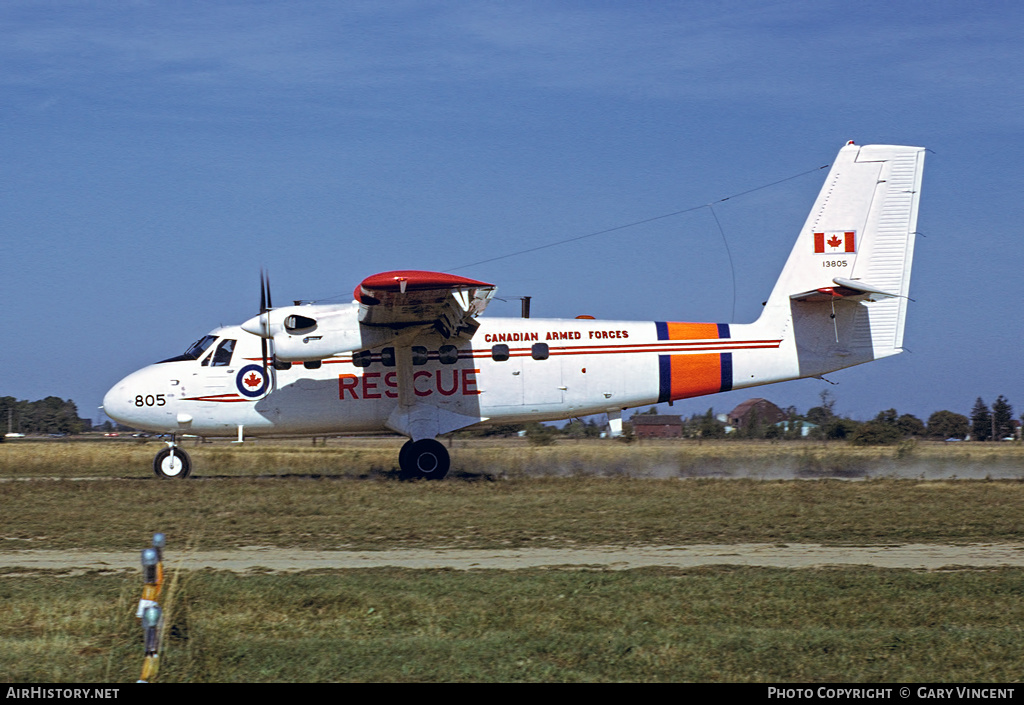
694 375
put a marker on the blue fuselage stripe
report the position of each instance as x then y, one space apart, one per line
664 378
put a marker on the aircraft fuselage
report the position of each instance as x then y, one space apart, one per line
513 370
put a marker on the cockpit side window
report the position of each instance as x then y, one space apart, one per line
222 357
195 350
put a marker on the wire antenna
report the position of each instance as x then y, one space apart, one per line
636 223
732 269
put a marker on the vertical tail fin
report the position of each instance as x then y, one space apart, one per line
844 287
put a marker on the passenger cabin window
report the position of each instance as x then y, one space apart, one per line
419 355
540 351
448 354
499 353
387 357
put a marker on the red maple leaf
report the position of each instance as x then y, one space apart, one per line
253 380
835 241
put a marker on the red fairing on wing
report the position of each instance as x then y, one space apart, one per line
415 280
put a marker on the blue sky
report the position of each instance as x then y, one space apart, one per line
155 155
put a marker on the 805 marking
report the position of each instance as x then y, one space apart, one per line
834 263
150 400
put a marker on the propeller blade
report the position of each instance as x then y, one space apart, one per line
264 317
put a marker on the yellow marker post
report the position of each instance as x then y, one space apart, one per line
151 587
151 619
149 610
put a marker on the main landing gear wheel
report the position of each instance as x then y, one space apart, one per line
426 459
176 464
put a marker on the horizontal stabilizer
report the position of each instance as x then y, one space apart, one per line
844 289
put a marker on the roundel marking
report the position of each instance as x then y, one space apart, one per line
251 381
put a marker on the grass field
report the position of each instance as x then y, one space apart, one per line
708 624
511 458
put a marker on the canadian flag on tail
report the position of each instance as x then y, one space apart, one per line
836 242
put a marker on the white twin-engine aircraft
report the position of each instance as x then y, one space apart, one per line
410 356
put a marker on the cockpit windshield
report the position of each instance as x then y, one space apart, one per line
195 350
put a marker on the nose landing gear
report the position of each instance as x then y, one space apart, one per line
172 461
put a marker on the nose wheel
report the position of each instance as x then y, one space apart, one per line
425 459
172 462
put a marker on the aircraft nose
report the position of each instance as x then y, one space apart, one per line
141 400
115 402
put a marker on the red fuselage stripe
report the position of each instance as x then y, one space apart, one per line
669 346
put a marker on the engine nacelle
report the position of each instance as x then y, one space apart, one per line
316 331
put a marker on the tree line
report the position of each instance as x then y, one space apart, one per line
819 423
888 426
51 415
54 415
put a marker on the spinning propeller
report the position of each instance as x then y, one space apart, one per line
265 307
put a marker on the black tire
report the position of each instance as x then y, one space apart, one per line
179 467
403 455
426 459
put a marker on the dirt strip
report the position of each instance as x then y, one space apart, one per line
915 556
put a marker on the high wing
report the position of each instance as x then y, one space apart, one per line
412 297
390 309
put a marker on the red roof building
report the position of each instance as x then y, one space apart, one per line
760 411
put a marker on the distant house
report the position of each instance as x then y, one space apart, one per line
657 426
759 411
